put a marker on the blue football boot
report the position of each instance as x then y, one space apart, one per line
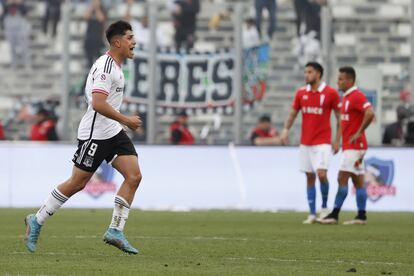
32 232
117 238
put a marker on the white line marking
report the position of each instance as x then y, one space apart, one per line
314 261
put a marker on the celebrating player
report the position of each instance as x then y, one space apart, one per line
356 116
316 101
101 137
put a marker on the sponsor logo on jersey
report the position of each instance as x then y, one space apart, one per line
103 77
379 178
312 110
119 89
101 182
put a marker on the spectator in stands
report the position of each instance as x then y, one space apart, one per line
308 16
406 107
271 7
2 136
53 15
44 128
409 137
94 42
142 32
308 48
2 5
185 19
17 31
251 36
405 103
264 134
308 28
395 132
179 132
109 4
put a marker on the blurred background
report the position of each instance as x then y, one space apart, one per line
221 67
213 73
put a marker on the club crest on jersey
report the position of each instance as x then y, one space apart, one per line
305 97
322 99
101 182
379 178
346 106
88 161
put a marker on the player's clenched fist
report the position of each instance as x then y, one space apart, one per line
133 122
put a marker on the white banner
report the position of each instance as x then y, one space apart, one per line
201 177
198 81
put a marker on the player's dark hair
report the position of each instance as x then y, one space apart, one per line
117 28
315 65
249 21
349 71
265 119
182 113
43 111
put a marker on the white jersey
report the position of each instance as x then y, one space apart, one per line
105 77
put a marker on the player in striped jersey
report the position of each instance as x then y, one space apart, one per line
101 137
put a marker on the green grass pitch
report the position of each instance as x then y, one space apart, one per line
209 243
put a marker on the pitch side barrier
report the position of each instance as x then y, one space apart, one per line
201 177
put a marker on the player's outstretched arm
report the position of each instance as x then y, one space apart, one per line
100 105
288 124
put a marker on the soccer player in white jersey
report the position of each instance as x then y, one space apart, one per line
356 116
316 101
101 137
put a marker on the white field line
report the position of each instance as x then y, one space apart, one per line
254 259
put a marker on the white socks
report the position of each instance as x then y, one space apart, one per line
52 204
120 214
57 199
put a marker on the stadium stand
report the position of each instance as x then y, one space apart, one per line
366 32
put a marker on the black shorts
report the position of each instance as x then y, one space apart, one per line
91 153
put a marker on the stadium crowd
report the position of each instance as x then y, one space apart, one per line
18 29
